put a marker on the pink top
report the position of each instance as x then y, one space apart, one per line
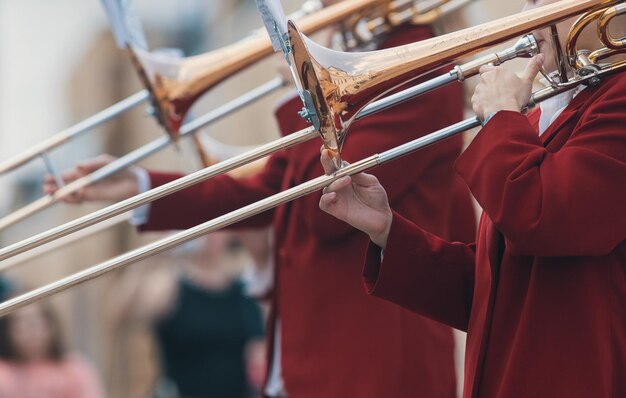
72 377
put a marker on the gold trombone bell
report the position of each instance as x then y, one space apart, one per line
177 84
338 85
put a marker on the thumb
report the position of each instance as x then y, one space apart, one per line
327 162
364 179
533 68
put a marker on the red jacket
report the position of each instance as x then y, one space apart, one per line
336 341
542 293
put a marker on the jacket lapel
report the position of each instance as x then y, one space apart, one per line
492 243
533 118
556 126
570 111
486 276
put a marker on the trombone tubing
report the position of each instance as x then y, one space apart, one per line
523 47
159 192
140 153
74 131
86 233
209 172
268 203
231 218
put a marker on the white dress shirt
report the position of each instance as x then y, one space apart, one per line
552 108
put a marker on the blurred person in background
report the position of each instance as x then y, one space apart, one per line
5 288
209 334
34 362
328 340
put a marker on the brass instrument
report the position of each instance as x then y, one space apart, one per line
140 153
362 28
175 84
525 47
220 64
386 69
214 156
580 58
336 88
42 149
143 96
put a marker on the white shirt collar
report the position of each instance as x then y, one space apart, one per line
552 108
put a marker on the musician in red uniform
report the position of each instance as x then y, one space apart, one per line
542 292
328 339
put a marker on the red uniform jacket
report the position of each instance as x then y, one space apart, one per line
542 293
336 341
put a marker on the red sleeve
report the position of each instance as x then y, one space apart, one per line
387 130
565 203
423 273
215 197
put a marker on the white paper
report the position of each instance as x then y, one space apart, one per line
274 19
125 23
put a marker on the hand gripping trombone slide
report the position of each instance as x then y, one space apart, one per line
587 74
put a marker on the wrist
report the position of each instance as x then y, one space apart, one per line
506 106
380 238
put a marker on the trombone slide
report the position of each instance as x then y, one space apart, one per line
140 153
231 218
267 203
40 251
156 193
74 131
582 77
525 47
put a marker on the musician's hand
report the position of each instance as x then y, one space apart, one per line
119 186
502 90
360 201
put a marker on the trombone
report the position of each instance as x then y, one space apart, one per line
361 29
334 94
423 56
140 153
131 102
175 85
525 47
218 152
42 149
